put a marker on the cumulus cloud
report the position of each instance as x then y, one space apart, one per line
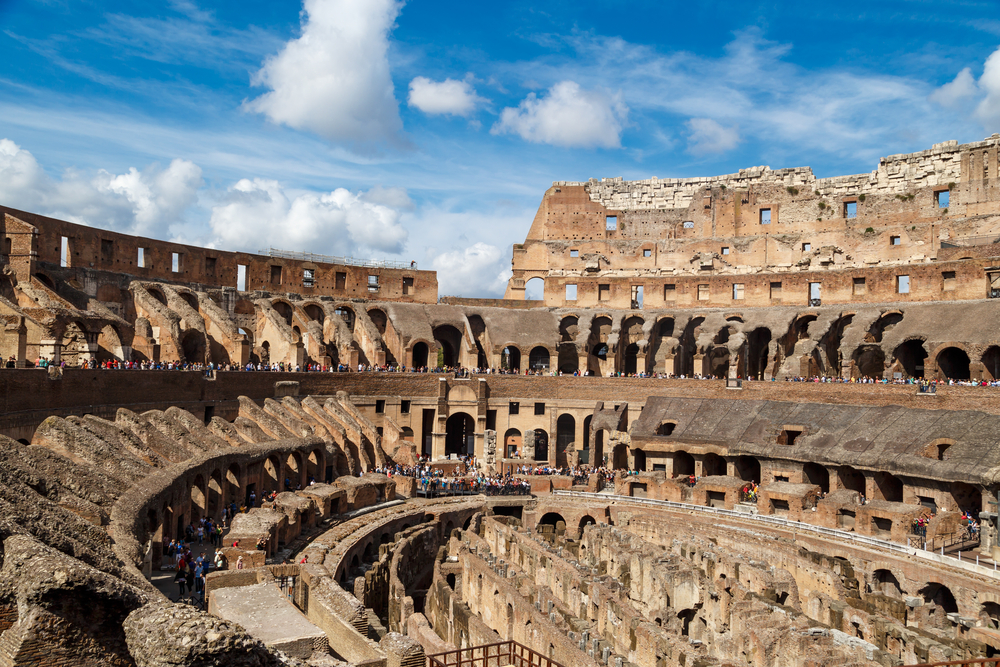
451 97
568 116
708 136
988 111
335 223
957 92
142 202
480 269
334 80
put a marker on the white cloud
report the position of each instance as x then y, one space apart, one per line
957 92
988 111
145 202
258 214
569 116
480 269
708 136
334 80
455 98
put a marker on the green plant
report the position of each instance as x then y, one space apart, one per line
819 219
951 186
944 211
862 197
792 191
722 187
822 205
869 231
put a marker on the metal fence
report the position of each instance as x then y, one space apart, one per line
970 241
330 259
502 654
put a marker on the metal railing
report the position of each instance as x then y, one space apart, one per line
330 259
787 524
500 654
968 661
966 241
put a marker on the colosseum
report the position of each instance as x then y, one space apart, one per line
752 419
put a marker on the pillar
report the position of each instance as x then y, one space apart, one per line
51 349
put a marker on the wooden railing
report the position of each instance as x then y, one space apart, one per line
500 654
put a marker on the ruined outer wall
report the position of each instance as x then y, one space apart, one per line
101 250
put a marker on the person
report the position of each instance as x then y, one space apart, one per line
305 559
180 579
220 561
239 563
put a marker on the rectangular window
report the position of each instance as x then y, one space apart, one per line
141 259
670 292
702 292
241 277
647 253
341 280
942 197
491 420
603 292
806 247
902 284
372 283
765 216
850 209
407 285
574 253
275 275
636 296
379 407
775 290
176 260
64 252
539 409
737 291
571 292
404 407
814 294
895 240
107 250
688 224
210 263
308 277
514 408
860 286
725 250
948 281
611 222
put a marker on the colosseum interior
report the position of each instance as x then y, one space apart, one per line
752 420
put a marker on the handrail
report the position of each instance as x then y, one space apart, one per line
788 525
514 653
330 259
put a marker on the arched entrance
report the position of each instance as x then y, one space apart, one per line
538 359
511 442
713 465
460 434
420 355
953 364
683 463
816 474
510 359
991 362
631 359
910 356
541 445
748 469
565 434
639 457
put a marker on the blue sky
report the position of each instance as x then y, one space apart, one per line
429 130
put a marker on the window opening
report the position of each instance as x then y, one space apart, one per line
851 209
636 296
737 291
308 277
175 262
603 292
670 292
571 292
725 250
806 247
903 284
647 253
948 280
765 216
860 286
514 408
64 252
688 224
895 240
611 222
241 277
141 259
574 253
942 197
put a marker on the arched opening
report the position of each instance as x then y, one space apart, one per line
967 497
713 465
190 299
991 362
569 360
911 356
193 346
818 475
538 359
157 294
534 289
47 281
885 582
851 479
284 310
215 493
293 472
510 359
198 506
420 355
511 443
619 457
889 486
990 615
271 470
586 520
600 437
585 449
631 359
718 362
666 428
757 355
541 445
555 520
748 469
565 435
314 313
347 315
869 362
450 341
639 460
683 463
953 363
232 492
109 345
941 599
460 434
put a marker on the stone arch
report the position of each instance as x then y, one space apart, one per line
852 479
450 341
511 442
683 463
967 497
46 280
869 361
293 471
817 474
510 358
585 446
713 465
233 487
190 299
538 359
215 492
272 474
748 469
314 312
953 363
630 364
889 486
284 310
638 460
910 355
541 444
757 356
199 506
346 313
885 582
565 435
193 346
553 519
157 294
109 345
420 353
460 429
586 520
991 362
534 289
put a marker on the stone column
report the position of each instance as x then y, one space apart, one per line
51 349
